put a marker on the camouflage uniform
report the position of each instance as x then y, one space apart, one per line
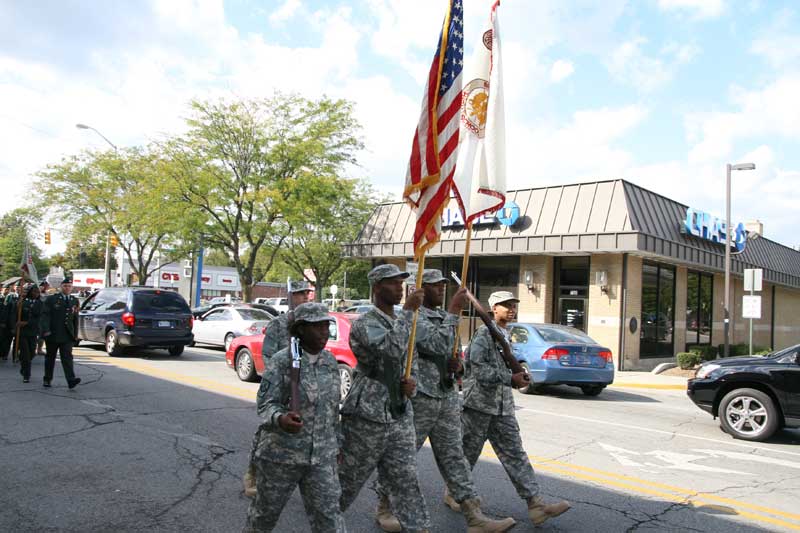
437 406
376 432
489 413
276 337
307 458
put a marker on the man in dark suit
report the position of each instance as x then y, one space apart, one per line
59 327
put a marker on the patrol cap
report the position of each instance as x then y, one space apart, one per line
311 312
301 286
386 271
432 275
67 279
500 297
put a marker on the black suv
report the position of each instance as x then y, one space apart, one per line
752 396
136 316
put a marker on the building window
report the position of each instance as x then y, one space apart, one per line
658 311
699 303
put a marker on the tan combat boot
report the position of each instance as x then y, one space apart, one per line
539 512
249 481
383 515
477 522
450 502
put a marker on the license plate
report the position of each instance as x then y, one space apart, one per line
583 360
164 324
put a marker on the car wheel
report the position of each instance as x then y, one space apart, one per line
748 414
532 388
245 367
592 390
112 344
175 350
345 379
228 340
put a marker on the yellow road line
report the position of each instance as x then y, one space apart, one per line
660 386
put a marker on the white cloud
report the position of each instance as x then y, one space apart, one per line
285 12
779 43
561 70
630 64
773 110
700 9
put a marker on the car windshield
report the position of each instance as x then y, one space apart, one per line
563 334
254 314
165 301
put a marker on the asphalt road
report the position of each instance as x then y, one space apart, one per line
151 442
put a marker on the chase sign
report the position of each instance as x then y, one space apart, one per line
706 226
507 216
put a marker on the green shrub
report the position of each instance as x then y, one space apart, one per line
687 360
706 352
763 351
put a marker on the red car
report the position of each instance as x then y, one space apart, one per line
244 353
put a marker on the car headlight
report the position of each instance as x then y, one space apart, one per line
705 370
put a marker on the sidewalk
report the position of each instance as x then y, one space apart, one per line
648 380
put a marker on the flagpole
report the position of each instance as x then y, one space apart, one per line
464 269
412 337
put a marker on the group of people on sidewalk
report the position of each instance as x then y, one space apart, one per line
330 452
30 318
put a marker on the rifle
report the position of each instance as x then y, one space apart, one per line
296 351
508 357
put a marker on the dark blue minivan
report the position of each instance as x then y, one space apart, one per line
143 317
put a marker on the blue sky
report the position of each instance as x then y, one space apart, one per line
660 92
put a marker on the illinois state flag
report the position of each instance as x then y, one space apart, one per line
479 182
27 266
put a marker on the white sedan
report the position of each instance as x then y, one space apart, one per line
221 325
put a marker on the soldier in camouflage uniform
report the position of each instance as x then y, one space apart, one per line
377 418
276 338
300 448
437 406
489 410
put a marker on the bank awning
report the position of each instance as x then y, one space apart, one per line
613 216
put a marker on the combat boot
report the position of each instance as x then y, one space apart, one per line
383 515
539 512
451 502
250 481
477 522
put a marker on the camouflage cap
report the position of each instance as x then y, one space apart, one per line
311 312
301 286
381 272
500 297
432 275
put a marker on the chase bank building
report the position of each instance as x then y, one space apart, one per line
640 273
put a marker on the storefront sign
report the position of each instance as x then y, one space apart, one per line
706 226
170 276
507 216
227 281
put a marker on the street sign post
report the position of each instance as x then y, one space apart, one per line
751 305
334 290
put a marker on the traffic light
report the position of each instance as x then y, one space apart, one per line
114 240
47 236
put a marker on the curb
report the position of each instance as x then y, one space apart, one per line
658 386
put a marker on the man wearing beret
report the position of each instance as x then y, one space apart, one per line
489 410
59 330
276 338
437 407
377 418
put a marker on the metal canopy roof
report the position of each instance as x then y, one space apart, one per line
611 216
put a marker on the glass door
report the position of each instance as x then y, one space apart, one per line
572 312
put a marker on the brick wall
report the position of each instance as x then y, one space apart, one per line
787 325
604 307
633 309
536 305
681 290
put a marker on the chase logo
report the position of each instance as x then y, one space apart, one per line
705 226
507 216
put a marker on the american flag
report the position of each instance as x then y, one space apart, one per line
435 146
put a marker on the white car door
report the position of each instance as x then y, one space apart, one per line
202 329
222 326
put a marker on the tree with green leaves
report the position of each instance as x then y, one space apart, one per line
241 164
17 229
83 252
327 213
120 194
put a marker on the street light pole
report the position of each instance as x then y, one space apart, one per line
727 317
107 265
